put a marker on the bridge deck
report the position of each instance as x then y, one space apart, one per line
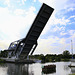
36 29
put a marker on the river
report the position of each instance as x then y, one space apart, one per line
34 69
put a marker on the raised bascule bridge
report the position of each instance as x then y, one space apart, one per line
21 49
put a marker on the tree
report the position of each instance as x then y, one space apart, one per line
66 54
4 53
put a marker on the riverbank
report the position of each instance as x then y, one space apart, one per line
65 56
72 74
51 58
16 61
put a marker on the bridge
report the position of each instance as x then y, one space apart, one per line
21 48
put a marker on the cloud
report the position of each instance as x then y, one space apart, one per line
68 32
63 33
19 12
56 45
44 45
14 26
51 45
7 2
56 4
73 16
34 0
4 44
57 28
70 6
71 32
58 24
61 21
71 9
23 1
62 41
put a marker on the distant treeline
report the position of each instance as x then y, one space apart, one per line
3 53
65 56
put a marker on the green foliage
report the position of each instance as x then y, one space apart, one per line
57 59
72 74
1 60
3 53
66 54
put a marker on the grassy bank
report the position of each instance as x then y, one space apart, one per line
72 74
2 61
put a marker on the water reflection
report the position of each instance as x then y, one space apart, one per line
73 69
18 69
15 69
34 69
3 69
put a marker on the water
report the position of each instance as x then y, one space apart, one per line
34 69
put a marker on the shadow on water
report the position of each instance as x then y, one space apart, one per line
16 69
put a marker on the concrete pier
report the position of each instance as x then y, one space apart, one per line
11 60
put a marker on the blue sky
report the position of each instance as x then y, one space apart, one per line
16 17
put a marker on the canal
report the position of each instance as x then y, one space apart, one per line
34 69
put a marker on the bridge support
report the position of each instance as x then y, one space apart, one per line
35 45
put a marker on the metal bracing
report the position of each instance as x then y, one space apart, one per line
35 45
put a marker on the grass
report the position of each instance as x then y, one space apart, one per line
1 60
72 74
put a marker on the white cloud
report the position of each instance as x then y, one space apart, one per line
18 1
11 26
4 44
57 28
71 32
56 4
71 9
34 0
51 45
61 21
44 45
56 45
72 17
63 33
23 1
32 8
53 21
7 2
70 6
19 12
62 41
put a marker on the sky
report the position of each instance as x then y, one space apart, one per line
16 17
